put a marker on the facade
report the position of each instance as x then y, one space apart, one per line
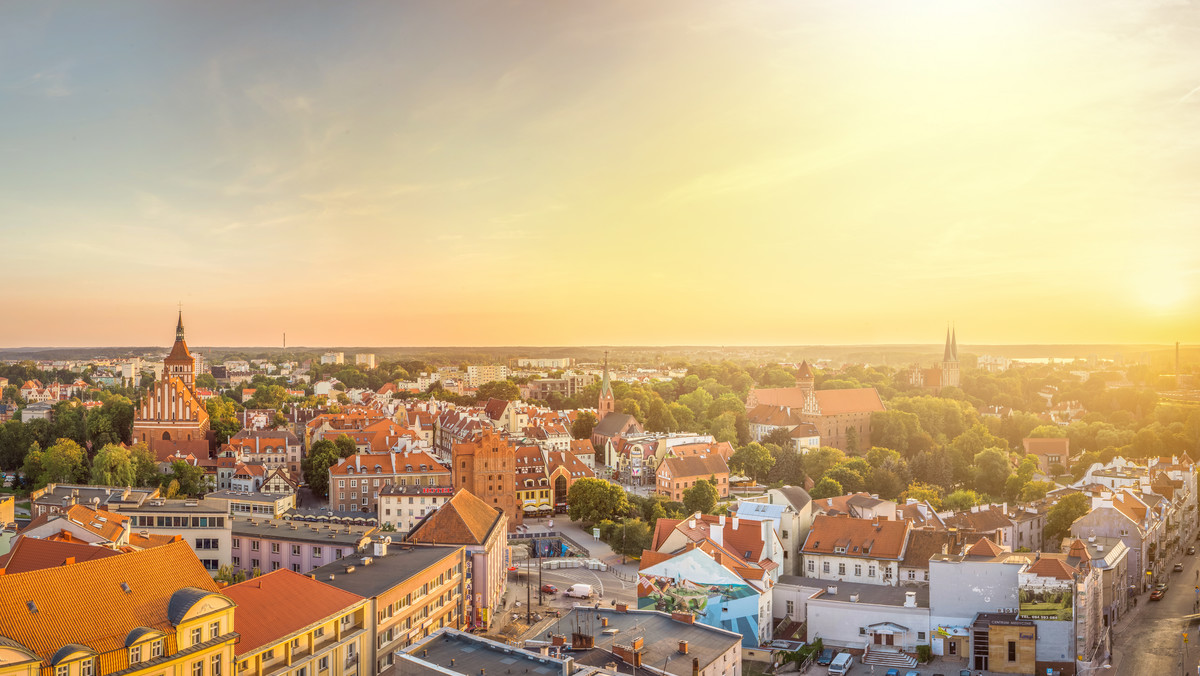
483 531
487 373
544 363
274 449
257 504
676 475
1049 452
403 507
412 591
487 468
292 624
846 549
365 359
126 618
754 541
204 524
171 411
355 482
268 545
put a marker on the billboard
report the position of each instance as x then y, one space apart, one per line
1046 602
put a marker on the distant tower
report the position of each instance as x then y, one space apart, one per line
950 374
607 403
180 363
805 378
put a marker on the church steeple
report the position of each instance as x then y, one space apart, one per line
607 403
949 354
954 343
179 327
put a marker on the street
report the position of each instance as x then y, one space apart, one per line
1148 641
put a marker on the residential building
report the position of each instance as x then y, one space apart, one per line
30 553
509 416
365 359
853 615
258 504
333 358
403 507
544 363
483 531
1123 517
204 524
355 482
413 590
847 549
117 614
563 469
754 541
487 373
980 579
1049 452
487 467
676 475
267 545
61 497
790 510
291 624
271 448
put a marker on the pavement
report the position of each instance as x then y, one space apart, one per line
1148 640
597 548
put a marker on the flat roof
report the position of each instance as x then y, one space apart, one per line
242 496
158 505
867 593
300 531
659 631
473 653
385 572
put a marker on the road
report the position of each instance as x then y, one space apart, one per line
1149 641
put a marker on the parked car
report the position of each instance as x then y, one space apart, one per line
1157 594
892 672
825 657
912 673
1178 568
1191 551
1161 585
840 666
549 589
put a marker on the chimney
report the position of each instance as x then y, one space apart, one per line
604 622
686 618
735 523
622 608
721 520
637 643
717 534
682 646
692 523
695 666
910 599
558 639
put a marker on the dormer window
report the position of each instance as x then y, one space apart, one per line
839 550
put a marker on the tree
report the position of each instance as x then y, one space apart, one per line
345 446
660 418
592 500
848 478
499 389
961 500
885 483
15 440
700 497
752 459
222 417
852 440
630 537
113 466
821 460
100 430
724 428
145 465
321 456
1036 490
188 479
924 492
584 423
63 462
788 469
119 410
826 488
206 381
1064 513
991 471
780 436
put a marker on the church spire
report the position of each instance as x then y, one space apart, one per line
954 343
179 326
605 386
949 354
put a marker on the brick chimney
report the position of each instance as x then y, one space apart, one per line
686 618
683 647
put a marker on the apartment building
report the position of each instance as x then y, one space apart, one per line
404 506
275 544
204 524
355 482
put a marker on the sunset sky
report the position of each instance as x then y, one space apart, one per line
558 173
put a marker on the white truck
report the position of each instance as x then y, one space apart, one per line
579 591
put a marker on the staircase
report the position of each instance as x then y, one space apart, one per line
885 656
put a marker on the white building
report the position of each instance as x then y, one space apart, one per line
333 358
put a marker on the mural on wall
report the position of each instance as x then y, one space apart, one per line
1046 602
729 606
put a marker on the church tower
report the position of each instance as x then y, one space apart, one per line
607 403
180 363
950 374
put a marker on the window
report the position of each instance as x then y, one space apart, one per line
785 535
316 552
156 649
198 668
858 570
871 570
215 665
236 560
237 543
790 608
812 566
214 630
274 547
87 667
302 671
841 569
323 664
255 545
319 632
135 654
825 566
295 550
274 565
920 636
197 635
62 670
1012 651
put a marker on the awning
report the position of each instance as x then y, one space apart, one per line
887 628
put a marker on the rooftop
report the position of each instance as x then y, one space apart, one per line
401 563
159 505
298 531
474 654
273 606
875 594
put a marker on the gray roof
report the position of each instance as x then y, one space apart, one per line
243 496
297 531
612 424
402 562
472 653
867 593
182 601
661 635
179 506
796 495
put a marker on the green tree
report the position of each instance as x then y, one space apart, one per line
499 389
1064 513
188 479
145 465
850 480
700 497
15 439
345 446
63 462
584 423
222 417
724 428
592 500
961 500
630 537
926 492
1036 490
323 455
819 461
660 419
780 436
119 410
852 440
100 430
885 483
991 471
113 466
752 459
826 488
206 381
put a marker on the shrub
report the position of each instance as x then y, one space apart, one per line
924 653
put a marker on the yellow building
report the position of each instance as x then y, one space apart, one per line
154 612
292 624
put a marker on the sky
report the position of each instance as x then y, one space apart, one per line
782 172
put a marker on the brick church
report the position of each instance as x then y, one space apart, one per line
172 418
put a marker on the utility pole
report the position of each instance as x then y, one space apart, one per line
624 525
528 611
539 576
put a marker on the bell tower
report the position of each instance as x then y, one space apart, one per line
180 363
607 403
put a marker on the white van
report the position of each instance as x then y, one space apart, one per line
841 664
579 591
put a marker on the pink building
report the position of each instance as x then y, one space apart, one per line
277 544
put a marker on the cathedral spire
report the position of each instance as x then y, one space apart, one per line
954 343
179 326
949 354
605 386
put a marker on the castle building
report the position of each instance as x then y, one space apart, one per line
842 418
171 416
487 467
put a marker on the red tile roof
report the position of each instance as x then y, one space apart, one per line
35 554
276 605
463 520
863 538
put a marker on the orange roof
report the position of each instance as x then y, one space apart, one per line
985 547
1052 566
867 538
107 525
1057 446
859 400
85 603
464 519
702 466
276 605
34 554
